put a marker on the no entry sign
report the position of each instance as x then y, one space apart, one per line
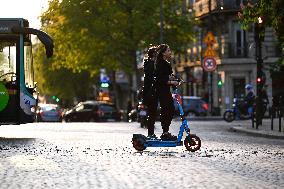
209 64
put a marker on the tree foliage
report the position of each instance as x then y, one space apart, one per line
271 11
93 34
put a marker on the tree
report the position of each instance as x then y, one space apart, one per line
90 35
270 11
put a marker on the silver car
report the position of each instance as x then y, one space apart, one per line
49 113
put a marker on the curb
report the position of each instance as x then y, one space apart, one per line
257 133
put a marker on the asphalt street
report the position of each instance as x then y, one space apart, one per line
100 155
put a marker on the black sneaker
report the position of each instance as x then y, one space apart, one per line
152 137
168 136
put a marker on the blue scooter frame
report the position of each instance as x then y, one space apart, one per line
191 142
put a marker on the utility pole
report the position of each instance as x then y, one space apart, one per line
210 74
161 22
259 31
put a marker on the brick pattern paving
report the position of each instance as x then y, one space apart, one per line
100 155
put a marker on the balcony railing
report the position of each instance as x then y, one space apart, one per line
201 7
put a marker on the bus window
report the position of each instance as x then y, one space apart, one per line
28 65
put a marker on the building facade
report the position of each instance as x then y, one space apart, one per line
235 47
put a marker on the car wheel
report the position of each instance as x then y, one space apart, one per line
67 119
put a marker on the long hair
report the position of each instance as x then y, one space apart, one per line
151 52
160 50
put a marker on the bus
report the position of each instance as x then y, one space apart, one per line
17 85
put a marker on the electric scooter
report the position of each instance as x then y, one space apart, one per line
192 142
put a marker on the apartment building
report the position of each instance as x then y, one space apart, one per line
235 47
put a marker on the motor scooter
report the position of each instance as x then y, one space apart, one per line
192 142
238 111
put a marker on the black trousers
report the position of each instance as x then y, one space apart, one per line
167 107
163 96
151 116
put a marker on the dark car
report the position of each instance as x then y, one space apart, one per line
193 106
92 111
49 113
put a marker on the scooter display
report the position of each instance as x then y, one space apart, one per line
192 142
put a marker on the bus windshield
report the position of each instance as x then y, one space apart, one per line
7 61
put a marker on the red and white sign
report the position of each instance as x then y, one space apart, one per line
209 64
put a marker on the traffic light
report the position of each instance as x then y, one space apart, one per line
55 98
220 83
259 80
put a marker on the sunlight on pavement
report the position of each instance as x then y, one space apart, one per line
33 162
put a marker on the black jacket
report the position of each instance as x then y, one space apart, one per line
148 73
162 73
249 99
149 91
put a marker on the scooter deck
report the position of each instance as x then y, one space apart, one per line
162 143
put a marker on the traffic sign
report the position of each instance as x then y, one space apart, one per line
209 64
209 39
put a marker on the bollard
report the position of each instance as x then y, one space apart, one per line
272 116
280 117
252 119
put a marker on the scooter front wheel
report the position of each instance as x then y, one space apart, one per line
229 116
192 143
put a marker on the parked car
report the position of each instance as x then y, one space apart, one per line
193 106
49 113
92 111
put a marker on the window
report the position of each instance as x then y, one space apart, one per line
239 87
28 66
7 60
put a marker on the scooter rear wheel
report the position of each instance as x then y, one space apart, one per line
192 143
138 145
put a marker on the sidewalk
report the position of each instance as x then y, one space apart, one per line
263 130
245 126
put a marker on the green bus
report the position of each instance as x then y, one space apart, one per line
17 85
